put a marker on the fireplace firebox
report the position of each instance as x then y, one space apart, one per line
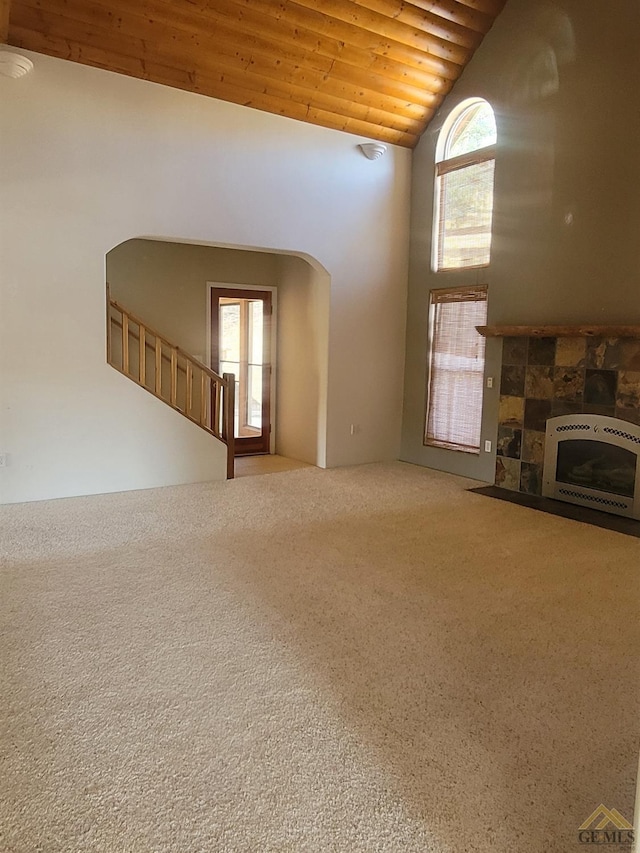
592 460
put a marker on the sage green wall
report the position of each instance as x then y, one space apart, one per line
564 81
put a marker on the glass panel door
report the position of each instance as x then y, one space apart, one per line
255 356
240 323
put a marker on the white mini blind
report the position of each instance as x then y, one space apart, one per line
456 369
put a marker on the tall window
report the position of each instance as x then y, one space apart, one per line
465 158
456 369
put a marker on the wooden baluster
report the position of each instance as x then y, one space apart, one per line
109 335
188 396
142 373
125 344
174 376
109 353
203 398
216 412
217 408
158 367
214 407
229 421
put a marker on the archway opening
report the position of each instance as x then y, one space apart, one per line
168 283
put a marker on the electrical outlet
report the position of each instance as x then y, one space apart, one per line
4 460
487 446
489 381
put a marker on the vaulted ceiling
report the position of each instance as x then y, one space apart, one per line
376 68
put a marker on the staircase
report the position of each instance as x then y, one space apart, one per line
169 373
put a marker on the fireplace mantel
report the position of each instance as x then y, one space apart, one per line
586 331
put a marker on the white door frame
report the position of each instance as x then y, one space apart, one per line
273 351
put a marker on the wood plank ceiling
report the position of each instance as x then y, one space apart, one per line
376 68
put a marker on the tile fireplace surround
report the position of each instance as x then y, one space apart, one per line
543 377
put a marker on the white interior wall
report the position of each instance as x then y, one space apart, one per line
91 159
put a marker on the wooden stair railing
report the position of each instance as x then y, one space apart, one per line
172 375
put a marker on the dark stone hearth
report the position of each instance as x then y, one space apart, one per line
536 413
628 526
541 351
600 387
512 380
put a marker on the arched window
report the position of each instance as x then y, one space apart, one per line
465 158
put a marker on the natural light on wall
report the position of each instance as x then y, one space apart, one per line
465 158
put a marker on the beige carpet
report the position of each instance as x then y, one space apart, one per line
251 466
358 660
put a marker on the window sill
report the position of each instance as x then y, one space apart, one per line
446 445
